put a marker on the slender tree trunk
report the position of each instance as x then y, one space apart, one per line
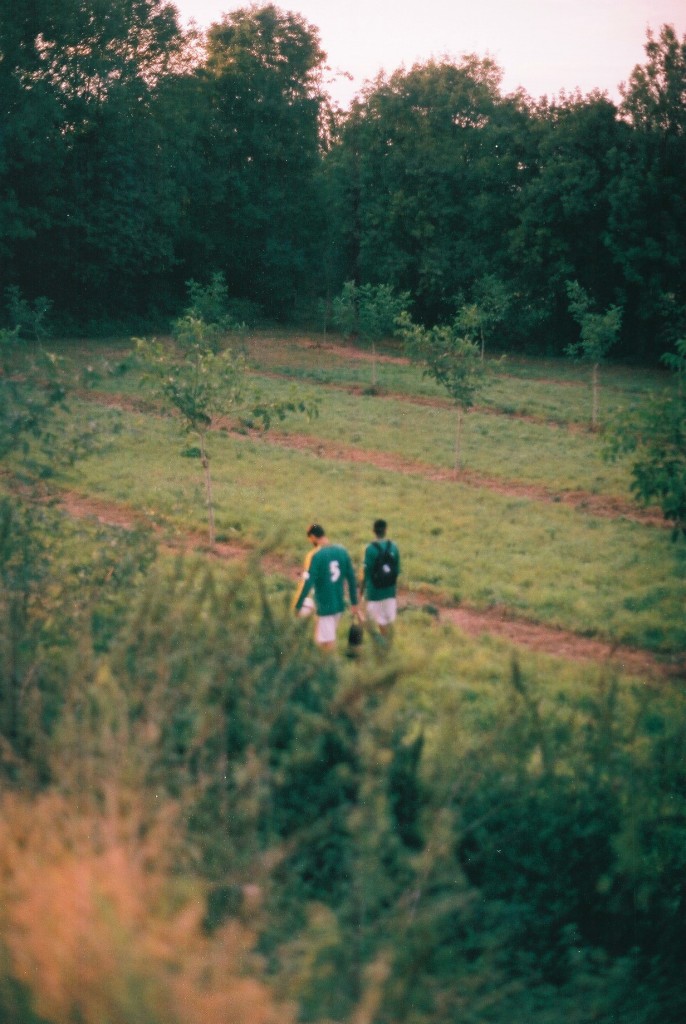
373 364
458 440
208 488
596 396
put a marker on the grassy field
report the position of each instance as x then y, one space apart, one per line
482 544
475 812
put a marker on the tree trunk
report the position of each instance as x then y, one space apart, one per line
596 396
458 440
208 488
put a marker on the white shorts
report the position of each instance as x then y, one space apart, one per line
326 628
307 608
383 613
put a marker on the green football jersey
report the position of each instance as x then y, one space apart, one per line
374 593
330 569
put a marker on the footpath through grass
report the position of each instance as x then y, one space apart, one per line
610 578
504 447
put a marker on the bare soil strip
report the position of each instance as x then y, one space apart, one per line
602 505
497 622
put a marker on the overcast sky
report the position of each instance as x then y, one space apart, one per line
544 46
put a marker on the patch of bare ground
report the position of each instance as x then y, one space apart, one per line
606 506
498 622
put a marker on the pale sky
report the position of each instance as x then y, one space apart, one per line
545 46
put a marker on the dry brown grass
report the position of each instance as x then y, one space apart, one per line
98 929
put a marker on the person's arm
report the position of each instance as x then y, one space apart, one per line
365 570
352 588
302 580
307 584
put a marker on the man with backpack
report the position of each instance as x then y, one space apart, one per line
380 574
329 572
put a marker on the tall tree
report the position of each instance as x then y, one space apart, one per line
425 169
256 206
88 83
563 208
647 225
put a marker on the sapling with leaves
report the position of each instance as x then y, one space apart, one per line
369 311
204 383
451 359
28 318
36 426
479 318
210 304
655 435
599 332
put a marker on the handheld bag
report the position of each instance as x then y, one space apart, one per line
355 637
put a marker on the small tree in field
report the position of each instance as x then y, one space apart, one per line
451 359
369 311
656 436
203 384
478 319
599 332
29 319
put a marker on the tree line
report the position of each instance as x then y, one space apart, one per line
136 155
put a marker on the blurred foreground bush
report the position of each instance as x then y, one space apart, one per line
188 783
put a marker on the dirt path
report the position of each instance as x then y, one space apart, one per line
497 622
606 506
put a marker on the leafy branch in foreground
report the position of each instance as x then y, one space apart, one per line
205 384
36 426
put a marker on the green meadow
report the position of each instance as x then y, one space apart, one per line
454 812
485 546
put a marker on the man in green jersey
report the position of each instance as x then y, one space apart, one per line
381 570
330 569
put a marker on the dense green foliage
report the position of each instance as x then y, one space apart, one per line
397 837
656 437
135 156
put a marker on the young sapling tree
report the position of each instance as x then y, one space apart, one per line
478 319
29 319
599 332
452 360
203 383
655 435
370 311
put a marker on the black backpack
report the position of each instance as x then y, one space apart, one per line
384 568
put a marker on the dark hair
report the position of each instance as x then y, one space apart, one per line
316 530
380 527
